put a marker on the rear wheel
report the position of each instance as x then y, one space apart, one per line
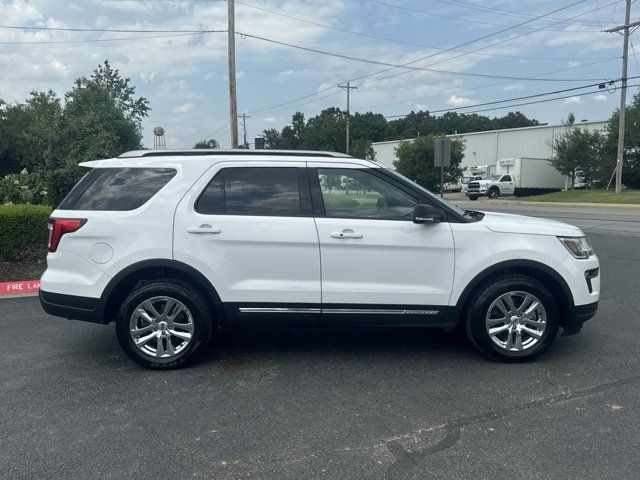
163 324
512 318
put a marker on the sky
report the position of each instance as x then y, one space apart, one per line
467 45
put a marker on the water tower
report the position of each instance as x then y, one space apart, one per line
158 139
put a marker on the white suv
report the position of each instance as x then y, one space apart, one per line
175 245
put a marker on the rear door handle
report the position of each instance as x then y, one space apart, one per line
204 229
346 233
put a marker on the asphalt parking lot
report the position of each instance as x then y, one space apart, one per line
392 404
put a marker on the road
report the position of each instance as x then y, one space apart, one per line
397 404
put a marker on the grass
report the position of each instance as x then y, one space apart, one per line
588 196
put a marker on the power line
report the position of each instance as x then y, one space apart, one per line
290 107
440 15
526 97
410 67
98 40
504 12
468 89
94 30
453 48
523 104
486 36
390 40
635 58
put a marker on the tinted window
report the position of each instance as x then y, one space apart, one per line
271 191
506 178
352 193
117 189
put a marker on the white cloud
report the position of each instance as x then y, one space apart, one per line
456 101
573 100
513 86
185 108
573 63
269 119
600 97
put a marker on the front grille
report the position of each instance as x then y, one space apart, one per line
474 187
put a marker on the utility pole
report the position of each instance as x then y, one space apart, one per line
244 117
348 89
233 106
623 92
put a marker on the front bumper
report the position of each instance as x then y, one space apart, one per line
578 314
72 307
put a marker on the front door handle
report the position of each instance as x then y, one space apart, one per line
204 229
346 233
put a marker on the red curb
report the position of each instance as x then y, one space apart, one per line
19 286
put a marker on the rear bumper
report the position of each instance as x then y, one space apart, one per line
72 307
579 314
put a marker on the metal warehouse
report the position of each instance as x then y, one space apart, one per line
486 148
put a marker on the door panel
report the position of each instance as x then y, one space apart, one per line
383 259
250 259
391 262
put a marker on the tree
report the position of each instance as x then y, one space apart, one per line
362 148
101 118
578 152
207 144
119 90
415 161
631 165
29 132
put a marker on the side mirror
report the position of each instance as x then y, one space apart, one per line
427 214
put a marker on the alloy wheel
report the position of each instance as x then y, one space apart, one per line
516 321
161 327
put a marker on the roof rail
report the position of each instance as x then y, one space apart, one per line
207 152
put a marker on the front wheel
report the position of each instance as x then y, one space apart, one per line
493 193
163 324
512 318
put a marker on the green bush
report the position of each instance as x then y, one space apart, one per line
23 188
22 226
61 181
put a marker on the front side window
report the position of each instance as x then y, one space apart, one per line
261 191
353 193
117 189
506 178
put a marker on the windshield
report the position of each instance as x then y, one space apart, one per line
495 177
431 195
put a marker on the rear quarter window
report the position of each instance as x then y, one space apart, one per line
116 189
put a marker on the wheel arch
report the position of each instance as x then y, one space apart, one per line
539 271
155 269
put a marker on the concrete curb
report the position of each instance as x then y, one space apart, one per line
554 204
19 288
18 295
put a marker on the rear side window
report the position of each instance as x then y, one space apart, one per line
260 191
116 189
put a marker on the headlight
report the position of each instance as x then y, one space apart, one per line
578 246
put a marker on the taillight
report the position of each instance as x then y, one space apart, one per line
59 226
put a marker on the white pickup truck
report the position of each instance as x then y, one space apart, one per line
492 187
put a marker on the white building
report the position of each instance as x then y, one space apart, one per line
486 148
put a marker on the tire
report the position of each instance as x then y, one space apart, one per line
163 343
484 312
473 197
494 192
